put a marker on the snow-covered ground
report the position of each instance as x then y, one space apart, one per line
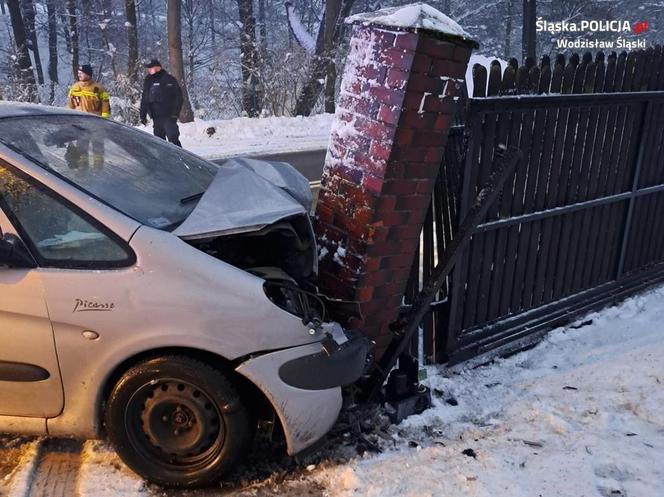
581 414
257 136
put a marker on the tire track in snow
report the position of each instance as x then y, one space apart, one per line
55 470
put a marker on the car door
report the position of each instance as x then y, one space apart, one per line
66 244
30 383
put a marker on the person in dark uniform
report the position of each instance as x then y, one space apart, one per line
162 101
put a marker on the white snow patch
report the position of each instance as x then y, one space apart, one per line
254 136
580 414
102 474
416 15
485 61
22 476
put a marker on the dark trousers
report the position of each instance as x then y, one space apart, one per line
167 128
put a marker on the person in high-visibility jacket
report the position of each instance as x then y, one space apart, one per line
89 96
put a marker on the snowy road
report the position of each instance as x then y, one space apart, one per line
582 414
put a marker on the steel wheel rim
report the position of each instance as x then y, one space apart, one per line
175 424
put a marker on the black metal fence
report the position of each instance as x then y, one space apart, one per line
578 226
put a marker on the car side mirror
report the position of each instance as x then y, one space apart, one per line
14 254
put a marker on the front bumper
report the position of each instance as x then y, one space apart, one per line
304 384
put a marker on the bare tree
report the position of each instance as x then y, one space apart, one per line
323 67
73 34
28 9
251 94
174 22
52 46
132 39
23 65
529 38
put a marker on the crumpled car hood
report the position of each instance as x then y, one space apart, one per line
247 195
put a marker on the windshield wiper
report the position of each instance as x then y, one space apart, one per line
191 198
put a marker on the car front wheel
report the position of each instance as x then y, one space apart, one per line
177 421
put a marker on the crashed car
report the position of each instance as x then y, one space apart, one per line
159 300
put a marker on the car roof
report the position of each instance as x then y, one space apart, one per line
14 109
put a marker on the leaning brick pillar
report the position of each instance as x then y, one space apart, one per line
395 109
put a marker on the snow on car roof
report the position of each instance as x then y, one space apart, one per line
13 109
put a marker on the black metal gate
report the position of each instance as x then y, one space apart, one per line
577 226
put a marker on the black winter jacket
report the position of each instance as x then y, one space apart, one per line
162 96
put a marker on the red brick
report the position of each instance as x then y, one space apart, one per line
375 130
394 218
388 291
357 197
413 202
436 48
421 63
418 154
442 122
394 170
396 79
421 170
426 138
353 175
401 187
380 150
371 165
422 83
358 105
387 96
364 294
418 120
462 53
407 41
397 58
376 278
397 261
363 215
372 183
406 232
373 264
383 249
404 136
373 73
382 38
388 114
359 248
386 203
434 154
424 186
413 100
434 104
324 213
380 235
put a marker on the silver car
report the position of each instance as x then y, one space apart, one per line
158 300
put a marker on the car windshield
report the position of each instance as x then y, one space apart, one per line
142 177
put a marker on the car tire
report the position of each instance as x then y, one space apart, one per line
177 422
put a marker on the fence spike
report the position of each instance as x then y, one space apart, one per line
479 80
509 78
494 79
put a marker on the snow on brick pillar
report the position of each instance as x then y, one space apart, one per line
397 101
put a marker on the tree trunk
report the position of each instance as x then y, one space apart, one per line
132 40
508 29
529 38
262 25
73 35
174 21
31 33
319 70
105 28
52 47
251 101
22 64
332 10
